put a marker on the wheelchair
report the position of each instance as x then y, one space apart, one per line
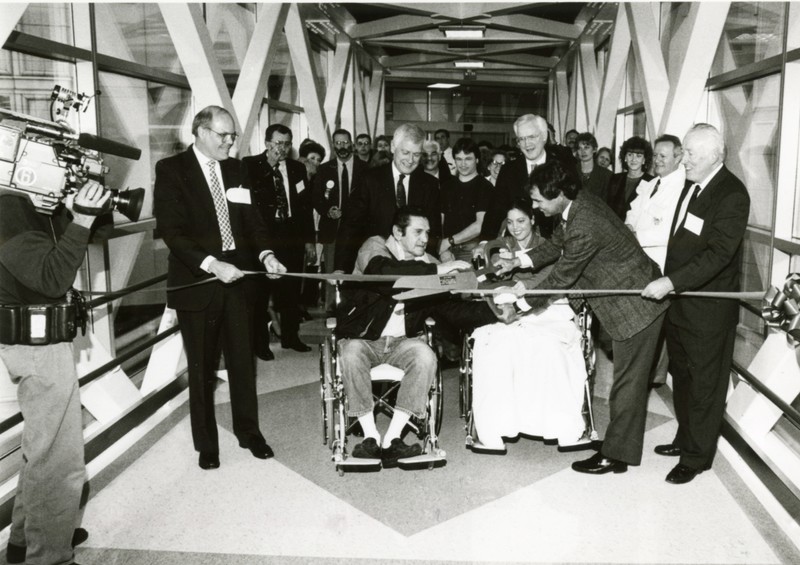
583 319
386 380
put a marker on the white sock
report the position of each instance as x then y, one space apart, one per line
367 422
399 421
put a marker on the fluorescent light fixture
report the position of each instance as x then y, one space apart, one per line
468 64
463 32
443 85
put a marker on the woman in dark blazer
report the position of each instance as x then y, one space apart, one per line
636 155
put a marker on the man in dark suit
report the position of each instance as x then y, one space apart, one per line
384 189
592 249
705 254
336 180
512 181
212 230
280 193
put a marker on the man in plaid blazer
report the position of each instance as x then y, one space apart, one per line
592 249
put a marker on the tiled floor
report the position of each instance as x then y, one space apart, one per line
526 507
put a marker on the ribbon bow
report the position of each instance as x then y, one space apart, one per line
782 307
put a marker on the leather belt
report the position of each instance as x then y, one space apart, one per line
42 324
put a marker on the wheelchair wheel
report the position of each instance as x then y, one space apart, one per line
327 394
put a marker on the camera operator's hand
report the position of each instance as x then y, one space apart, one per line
225 272
91 195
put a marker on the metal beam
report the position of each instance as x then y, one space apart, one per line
336 81
614 77
650 68
392 25
532 25
699 49
491 35
374 101
590 81
189 34
300 53
251 87
524 60
414 59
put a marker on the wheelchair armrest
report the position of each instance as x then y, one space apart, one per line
330 323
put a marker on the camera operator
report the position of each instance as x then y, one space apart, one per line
39 259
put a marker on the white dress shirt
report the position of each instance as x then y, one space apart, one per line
651 216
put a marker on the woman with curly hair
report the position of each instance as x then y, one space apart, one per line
636 155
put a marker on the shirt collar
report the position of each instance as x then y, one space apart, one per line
399 253
710 176
542 158
202 158
565 213
396 173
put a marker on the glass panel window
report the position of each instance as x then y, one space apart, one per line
231 27
749 118
410 105
48 21
136 33
27 81
153 117
753 31
282 85
633 92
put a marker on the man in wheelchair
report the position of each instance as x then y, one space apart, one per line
373 328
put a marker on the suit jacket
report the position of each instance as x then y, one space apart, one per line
615 193
257 171
710 260
325 195
187 221
370 210
512 184
594 250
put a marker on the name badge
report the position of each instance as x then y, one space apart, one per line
238 195
693 223
300 186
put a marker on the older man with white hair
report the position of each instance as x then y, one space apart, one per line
383 190
704 254
530 132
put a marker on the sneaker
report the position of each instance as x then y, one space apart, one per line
398 450
367 449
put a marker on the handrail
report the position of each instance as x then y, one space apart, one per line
15 419
113 295
790 412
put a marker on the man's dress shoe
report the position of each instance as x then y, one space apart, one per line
682 474
265 354
208 461
259 449
598 464
16 553
298 346
668 450
398 450
367 449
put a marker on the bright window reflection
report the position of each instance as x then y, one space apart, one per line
282 85
27 81
749 116
753 31
136 33
48 21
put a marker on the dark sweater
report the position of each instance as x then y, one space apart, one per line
33 268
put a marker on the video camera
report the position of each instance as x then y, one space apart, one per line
48 160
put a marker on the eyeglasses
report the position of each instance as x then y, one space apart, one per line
224 136
341 144
532 138
281 143
497 163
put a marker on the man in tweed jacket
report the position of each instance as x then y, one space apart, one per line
592 249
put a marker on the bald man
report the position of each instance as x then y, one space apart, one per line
704 253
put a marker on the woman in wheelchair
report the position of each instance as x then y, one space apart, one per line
528 376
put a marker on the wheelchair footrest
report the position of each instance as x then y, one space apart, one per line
424 459
358 462
478 447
